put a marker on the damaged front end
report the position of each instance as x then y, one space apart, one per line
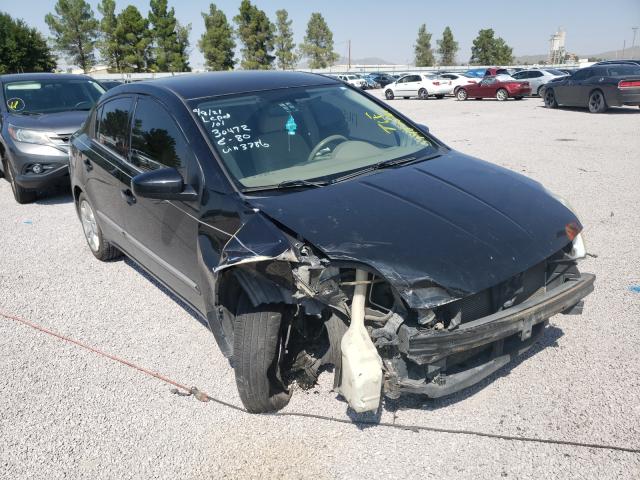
378 329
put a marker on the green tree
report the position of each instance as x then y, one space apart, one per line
318 43
22 49
422 48
75 31
447 48
108 43
216 43
489 50
169 53
284 44
179 61
133 34
255 31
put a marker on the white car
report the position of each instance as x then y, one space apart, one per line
421 86
538 78
458 80
353 80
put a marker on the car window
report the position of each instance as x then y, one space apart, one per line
520 75
113 126
304 133
403 80
555 72
536 74
582 74
156 140
51 95
415 78
618 70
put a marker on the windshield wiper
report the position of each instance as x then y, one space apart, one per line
288 184
384 164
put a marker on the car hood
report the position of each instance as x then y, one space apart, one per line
456 221
60 122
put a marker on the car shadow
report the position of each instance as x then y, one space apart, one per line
549 339
185 306
611 111
54 196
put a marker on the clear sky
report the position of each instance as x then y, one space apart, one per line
387 29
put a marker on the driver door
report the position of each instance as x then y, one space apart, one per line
163 233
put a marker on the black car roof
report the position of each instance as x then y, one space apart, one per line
26 77
210 84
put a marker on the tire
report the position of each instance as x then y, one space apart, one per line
597 102
540 91
439 97
423 94
257 341
98 245
462 94
21 195
502 95
389 94
550 98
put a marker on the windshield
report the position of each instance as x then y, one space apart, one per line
50 96
304 133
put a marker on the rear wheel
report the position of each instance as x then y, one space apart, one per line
422 94
257 354
597 102
100 248
540 91
502 95
550 98
21 195
388 94
462 94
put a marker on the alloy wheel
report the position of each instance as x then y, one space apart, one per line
89 225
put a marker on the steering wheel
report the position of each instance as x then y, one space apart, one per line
323 143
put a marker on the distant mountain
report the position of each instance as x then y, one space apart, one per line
612 55
364 61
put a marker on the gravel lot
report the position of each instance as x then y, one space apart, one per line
67 413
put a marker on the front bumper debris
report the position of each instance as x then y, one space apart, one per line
498 338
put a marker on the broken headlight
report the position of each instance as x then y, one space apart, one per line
574 234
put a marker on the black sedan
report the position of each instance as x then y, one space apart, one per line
597 87
309 224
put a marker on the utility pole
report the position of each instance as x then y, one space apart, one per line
349 41
624 46
635 30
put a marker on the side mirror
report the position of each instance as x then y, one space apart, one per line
423 127
162 184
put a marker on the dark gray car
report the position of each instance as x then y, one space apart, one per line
38 114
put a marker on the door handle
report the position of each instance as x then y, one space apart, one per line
128 196
87 164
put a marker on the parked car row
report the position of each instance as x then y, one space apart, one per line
249 194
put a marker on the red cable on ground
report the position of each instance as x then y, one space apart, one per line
204 397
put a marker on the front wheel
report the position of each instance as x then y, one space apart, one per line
597 102
21 195
257 356
502 95
423 94
389 94
462 95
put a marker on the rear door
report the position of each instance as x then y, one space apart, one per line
163 233
413 84
107 172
